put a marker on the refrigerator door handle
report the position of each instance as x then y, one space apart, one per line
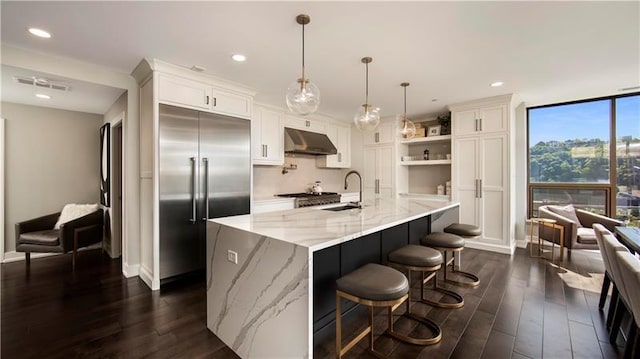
206 188
193 190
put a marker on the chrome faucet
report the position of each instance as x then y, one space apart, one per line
346 184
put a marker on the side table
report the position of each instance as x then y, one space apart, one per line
551 223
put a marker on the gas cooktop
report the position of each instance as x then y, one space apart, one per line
312 199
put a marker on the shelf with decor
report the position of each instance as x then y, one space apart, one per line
426 139
425 162
417 175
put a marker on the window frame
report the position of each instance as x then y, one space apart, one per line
610 205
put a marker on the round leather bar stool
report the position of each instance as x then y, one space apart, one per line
427 261
372 285
448 242
464 230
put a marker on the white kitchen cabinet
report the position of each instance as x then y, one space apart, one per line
183 92
306 124
481 179
267 137
385 133
379 172
480 120
231 103
175 90
340 136
482 174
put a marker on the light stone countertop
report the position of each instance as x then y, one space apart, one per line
316 229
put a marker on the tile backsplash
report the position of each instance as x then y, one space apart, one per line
269 180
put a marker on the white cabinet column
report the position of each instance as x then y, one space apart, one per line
482 172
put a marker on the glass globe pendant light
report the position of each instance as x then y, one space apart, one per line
367 117
303 96
407 128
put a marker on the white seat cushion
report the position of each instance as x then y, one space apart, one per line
72 211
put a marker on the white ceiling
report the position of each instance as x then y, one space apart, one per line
450 51
81 96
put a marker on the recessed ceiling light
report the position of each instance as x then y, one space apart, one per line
497 84
39 32
239 57
41 95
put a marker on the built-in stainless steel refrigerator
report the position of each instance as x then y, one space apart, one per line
205 172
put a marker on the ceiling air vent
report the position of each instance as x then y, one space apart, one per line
41 82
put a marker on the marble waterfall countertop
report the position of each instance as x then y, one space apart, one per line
316 229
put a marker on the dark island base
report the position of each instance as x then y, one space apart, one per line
331 263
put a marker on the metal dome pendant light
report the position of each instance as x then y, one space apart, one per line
367 117
303 96
407 128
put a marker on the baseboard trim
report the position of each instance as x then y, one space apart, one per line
491 247
14 256
130 270
147 278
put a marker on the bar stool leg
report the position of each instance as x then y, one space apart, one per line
475 281
459 300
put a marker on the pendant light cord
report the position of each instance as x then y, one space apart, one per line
303 79
405 103
366 90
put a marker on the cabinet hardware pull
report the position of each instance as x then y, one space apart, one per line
193 190
266 150
339 157
377 139
215 102
206 188
480 188
480 124
207 99
476 126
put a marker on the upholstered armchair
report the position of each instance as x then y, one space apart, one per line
577 224
41 235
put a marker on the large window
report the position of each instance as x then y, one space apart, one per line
571 151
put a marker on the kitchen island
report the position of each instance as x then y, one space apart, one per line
281 290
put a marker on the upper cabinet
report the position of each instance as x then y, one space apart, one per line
340 136
183 92
231 103
383 134
480 120
175 90
267 137
304 123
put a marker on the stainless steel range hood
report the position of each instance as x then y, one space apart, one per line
309 143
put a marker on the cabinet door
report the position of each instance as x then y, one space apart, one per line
493 176
464 122
385 172
492 119
466 179
305 124
230 103
369 175
340 136
267 137
383 134
183 92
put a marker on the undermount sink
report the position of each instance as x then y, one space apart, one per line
341 208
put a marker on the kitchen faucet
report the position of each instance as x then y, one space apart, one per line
346 184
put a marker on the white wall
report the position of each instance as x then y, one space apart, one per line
52 159
520 191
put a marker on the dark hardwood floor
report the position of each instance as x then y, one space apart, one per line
524 308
